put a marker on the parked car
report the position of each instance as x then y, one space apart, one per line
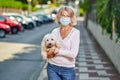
4 29
54 13
28 23
22 24
46 17
36 19
14 25
45 20
49 17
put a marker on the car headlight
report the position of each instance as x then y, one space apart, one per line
23 22
53 15
7 26
15 22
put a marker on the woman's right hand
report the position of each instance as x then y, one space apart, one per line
50 53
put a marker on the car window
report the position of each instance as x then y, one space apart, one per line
2 18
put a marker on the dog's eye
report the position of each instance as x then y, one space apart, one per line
52 39
47 40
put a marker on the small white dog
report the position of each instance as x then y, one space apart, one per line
49 42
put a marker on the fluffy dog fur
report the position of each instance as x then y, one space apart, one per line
49 42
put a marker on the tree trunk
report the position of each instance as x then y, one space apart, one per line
86 19
113 30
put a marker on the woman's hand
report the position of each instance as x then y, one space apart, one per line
51 53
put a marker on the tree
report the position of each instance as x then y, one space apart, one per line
23 1
108 12
34 2
86 6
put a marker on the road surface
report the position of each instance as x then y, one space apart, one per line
20 57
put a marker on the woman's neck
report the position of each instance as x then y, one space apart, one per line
66 27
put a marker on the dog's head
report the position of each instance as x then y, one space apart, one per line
49 41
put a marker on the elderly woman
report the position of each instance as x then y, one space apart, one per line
62 66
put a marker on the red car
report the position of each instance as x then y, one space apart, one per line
14 25
4 29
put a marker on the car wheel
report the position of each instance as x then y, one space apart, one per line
2 33
14 30
39 24
31 26
23 29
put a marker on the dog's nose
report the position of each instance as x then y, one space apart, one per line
50 44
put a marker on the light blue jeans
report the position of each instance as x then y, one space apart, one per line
60 73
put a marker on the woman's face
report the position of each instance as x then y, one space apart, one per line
65 18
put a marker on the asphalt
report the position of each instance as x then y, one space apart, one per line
91 63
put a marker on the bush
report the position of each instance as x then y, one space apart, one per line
108 12
86 6
24 7
81 11
11 4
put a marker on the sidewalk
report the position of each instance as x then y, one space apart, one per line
91 63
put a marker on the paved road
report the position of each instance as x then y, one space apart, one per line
20 57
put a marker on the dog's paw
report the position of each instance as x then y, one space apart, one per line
47 50
56 51
44 57
51 54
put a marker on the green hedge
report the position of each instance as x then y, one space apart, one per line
81 11
108 11
11 4
15 4
85 6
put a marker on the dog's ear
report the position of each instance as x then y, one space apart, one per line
43 49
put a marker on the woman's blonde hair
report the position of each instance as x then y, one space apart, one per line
70 12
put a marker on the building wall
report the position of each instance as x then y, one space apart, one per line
111 48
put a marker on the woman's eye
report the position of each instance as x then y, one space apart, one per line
52 39
65 15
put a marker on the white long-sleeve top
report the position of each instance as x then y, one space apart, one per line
69 47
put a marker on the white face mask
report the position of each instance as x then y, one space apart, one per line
65 21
